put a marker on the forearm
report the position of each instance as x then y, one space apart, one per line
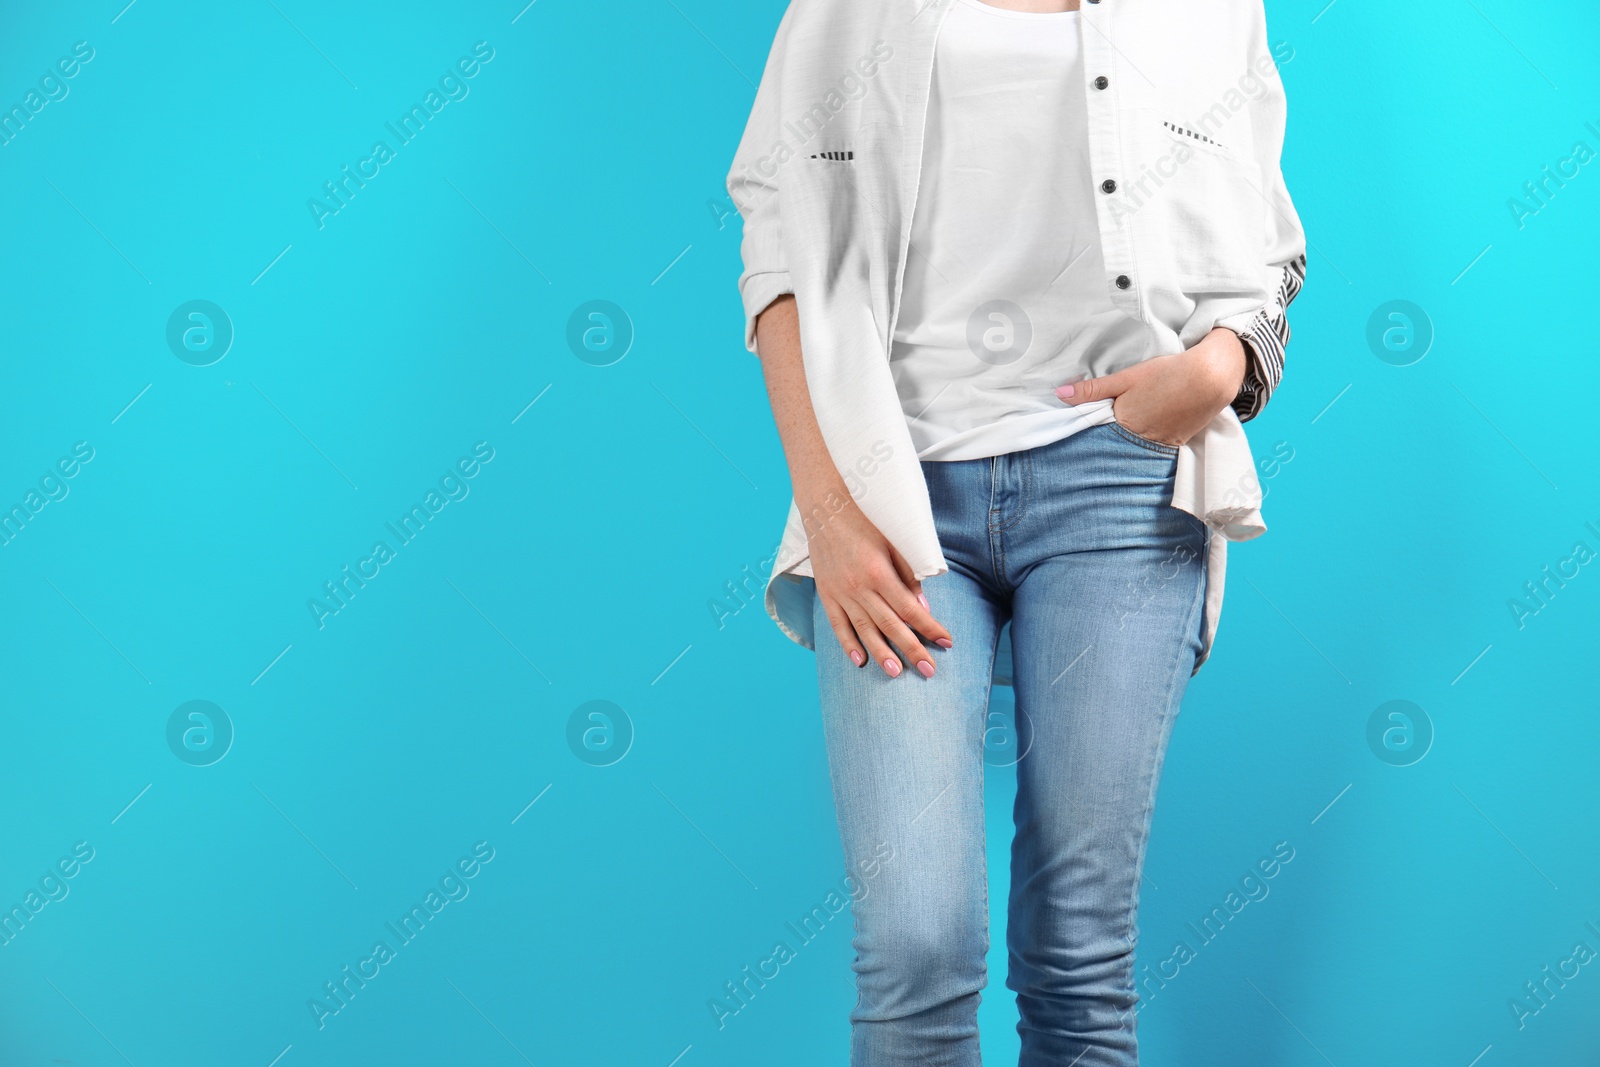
811 468
867 589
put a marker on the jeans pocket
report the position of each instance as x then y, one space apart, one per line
1144 442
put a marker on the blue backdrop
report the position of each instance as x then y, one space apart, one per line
245 747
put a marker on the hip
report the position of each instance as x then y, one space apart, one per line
1103 489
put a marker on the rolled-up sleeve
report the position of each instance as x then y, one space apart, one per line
1265 329
753 185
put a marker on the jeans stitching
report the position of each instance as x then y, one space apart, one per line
997 559
983 828
997 544
997 548
1169 717
1025 460
1144 442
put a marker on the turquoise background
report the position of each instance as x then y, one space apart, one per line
428 314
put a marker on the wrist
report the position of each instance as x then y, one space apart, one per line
1226 362
820 501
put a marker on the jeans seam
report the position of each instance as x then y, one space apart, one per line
1144 442
1026 459
997 546
983 774
997 549
1169 717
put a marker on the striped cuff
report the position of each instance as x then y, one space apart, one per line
1265 339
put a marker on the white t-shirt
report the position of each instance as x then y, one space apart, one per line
1004 298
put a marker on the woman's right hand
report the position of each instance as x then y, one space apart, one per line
869 592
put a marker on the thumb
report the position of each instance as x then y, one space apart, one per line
1111 385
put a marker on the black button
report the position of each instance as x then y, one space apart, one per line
1123 281
1094 1
1108 186
1101 82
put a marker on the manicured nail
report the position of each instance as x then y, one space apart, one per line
925 668
1065 392
924 602
942 642
856 657
892 666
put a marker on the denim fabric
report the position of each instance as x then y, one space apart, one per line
1103 583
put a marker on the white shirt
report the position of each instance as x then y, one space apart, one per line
1199 232
1003 299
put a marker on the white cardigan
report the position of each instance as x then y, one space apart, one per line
1185 120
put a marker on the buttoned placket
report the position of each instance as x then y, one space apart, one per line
1105 150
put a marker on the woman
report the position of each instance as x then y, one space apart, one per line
1016 273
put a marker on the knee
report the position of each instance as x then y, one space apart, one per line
919 962
1077 987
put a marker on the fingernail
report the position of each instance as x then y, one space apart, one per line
856 657
924 602
1065 392
942 642
925 668
892 666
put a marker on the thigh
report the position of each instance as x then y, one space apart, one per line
906 759
1105 631
906 753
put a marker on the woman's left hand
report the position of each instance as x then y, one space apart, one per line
1170 398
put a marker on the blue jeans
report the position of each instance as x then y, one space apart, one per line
1104 584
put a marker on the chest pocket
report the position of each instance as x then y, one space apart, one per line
820 191
1200 206
836 187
